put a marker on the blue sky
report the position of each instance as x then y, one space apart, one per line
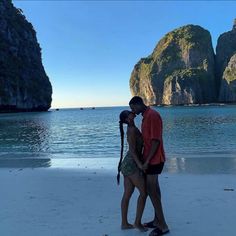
89 48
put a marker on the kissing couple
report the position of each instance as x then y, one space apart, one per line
141 166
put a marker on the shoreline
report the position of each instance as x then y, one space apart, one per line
85 202
203 166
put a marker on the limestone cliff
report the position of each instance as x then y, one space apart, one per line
228 83
24 85
226 65
179 71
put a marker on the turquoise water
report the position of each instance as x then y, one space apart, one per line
202 133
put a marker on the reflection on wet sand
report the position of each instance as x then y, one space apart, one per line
201 165
197 166
25 163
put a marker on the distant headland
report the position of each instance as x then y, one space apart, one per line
183 69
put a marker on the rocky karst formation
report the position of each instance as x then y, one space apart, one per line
226 65
182 69
24 85
228 82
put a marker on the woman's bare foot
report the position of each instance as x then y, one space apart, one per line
127 226
140 227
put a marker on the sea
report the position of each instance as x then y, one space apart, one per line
197 139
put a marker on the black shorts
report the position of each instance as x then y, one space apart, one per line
154 169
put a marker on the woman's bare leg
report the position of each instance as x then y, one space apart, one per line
139 182
128 191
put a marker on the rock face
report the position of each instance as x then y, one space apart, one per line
225 65
228 83
179 71
24 85
184 70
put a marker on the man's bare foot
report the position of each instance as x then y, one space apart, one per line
163 227
127 226
140 227
158 232
151 224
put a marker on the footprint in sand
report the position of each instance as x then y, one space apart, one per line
32 197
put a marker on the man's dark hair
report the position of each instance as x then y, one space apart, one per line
136 100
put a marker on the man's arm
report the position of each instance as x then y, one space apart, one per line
154 147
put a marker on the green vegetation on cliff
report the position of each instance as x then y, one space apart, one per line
183 53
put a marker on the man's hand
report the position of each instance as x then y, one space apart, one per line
145 166
140 166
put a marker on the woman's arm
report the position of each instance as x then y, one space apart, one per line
131 137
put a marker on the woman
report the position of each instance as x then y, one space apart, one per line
131 167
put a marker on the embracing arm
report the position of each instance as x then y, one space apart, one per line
154 147
155 134
132 146
153 150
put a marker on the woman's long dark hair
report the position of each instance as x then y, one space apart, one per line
123 115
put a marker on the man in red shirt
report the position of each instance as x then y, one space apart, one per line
154 159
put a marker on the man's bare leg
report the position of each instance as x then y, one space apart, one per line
154 193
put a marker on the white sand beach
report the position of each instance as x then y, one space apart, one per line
85 201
